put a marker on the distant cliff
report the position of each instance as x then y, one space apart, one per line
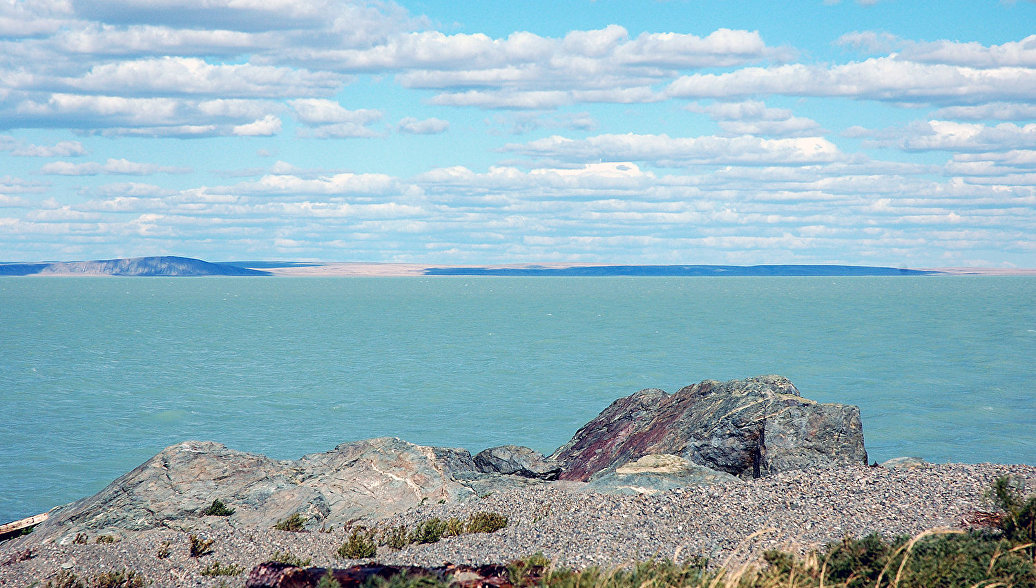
134 266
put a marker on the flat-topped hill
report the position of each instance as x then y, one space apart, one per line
166 265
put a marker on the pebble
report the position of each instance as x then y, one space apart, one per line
732 523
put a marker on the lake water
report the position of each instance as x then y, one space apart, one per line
99 374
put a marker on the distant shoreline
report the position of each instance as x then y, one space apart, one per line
181 267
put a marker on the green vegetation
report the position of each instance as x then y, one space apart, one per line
1019 519
428 531
200 547
113 579
328 581
81 539
65 579
119 579
106 539
215 569
164 549
289 558
359 545
363 542
296 523
486 522
1002 556
217 509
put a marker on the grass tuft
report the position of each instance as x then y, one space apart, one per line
216 569
296 523
217 509
361 544
200 547
289 558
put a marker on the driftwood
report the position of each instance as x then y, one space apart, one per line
15 526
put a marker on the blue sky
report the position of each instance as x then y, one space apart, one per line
875 132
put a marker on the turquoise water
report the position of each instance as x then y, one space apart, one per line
99 374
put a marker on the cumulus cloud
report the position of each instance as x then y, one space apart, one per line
884 79
945 135
264 127
680 151
428 126
753 117
112 166
60 149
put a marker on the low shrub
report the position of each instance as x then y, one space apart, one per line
359 545
394 537
65 579
106 539
200 547
119 579
428 531
216 569
164 550
296 523
486 522
289 558
217 509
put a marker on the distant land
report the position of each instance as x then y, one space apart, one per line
171 266
133 266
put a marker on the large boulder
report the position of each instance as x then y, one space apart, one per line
361 481
748 428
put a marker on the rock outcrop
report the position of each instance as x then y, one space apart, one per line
654 473
361 481
517 460
707 433
748 428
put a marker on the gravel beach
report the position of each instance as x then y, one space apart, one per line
573 527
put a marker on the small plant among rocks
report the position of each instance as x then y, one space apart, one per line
359 545
394 537
1019 521
106 539
119 579
65 579
217 509
81 539
328 581
296 523
428 531
217 569
200 547
164 549
486 522
290 558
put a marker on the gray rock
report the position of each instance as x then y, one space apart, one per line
362 481
748 428
904 463
654 473
517 460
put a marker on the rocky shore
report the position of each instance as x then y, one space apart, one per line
719 470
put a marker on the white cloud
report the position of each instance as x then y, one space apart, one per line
944 135
60 149
428 126
885 78
1013 54
991 111
668 151
869 41
753 117
112 166
264 127
173 76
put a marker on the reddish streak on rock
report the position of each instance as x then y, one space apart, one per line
280 575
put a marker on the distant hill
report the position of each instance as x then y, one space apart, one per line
134 266
680 270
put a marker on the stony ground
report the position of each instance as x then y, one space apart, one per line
574 528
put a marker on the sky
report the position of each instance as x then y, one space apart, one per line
864 132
